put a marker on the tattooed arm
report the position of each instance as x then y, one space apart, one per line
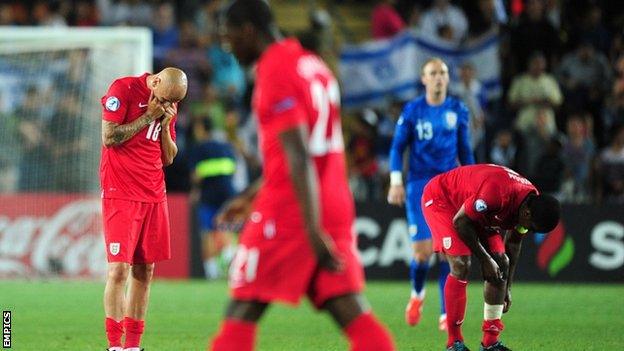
114 134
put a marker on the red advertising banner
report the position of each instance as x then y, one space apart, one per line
46 235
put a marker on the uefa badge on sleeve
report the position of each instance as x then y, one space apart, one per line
112 103
480 205
113 248
446 242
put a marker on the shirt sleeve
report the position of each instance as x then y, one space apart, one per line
115 102
284 108
402 136
464 150
484 202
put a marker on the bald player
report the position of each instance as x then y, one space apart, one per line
138 137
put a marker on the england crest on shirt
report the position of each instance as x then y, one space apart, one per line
451 119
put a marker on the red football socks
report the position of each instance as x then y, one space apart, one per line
491 331
455 298
365 333
114 331
235 335
134 331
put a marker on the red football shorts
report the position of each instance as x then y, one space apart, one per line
280 266
136 232
439 217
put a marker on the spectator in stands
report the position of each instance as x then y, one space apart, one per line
610 170
207 17
228 76
534 91
445 22
126 12
34 165
212 165
212 107
191 58
386 21
504 149
535 140
68 142
6 15
532 33
578 154
593 30
473 94
482 16
10 151
85 14
363 167
552 12
549 168
165 33
585 76
613 113
47 13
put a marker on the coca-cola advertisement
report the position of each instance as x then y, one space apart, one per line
56 235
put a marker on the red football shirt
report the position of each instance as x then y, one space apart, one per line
134 169
491 194
295 87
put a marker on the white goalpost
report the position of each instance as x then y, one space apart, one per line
51 79
51 82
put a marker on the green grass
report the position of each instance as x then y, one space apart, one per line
182 316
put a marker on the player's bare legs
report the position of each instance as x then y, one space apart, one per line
115 290
353 315
138 290
114 301
455 298
494 296
136 303
238 330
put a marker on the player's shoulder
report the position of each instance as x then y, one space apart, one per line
126 82
456 103
413 105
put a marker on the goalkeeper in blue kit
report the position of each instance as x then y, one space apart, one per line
435 128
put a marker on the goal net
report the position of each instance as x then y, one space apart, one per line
51 81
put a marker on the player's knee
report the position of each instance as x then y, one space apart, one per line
503 261
422 256
118 273
143 272
249 311
460 267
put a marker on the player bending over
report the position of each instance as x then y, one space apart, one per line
468 209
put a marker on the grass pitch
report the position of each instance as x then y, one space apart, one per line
183 315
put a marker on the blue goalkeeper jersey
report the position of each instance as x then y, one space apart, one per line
437 136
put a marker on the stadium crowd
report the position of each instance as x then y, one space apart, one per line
560 119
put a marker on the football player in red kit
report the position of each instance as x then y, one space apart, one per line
138 137
298 239
468 210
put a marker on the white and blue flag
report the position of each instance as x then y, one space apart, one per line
375 72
